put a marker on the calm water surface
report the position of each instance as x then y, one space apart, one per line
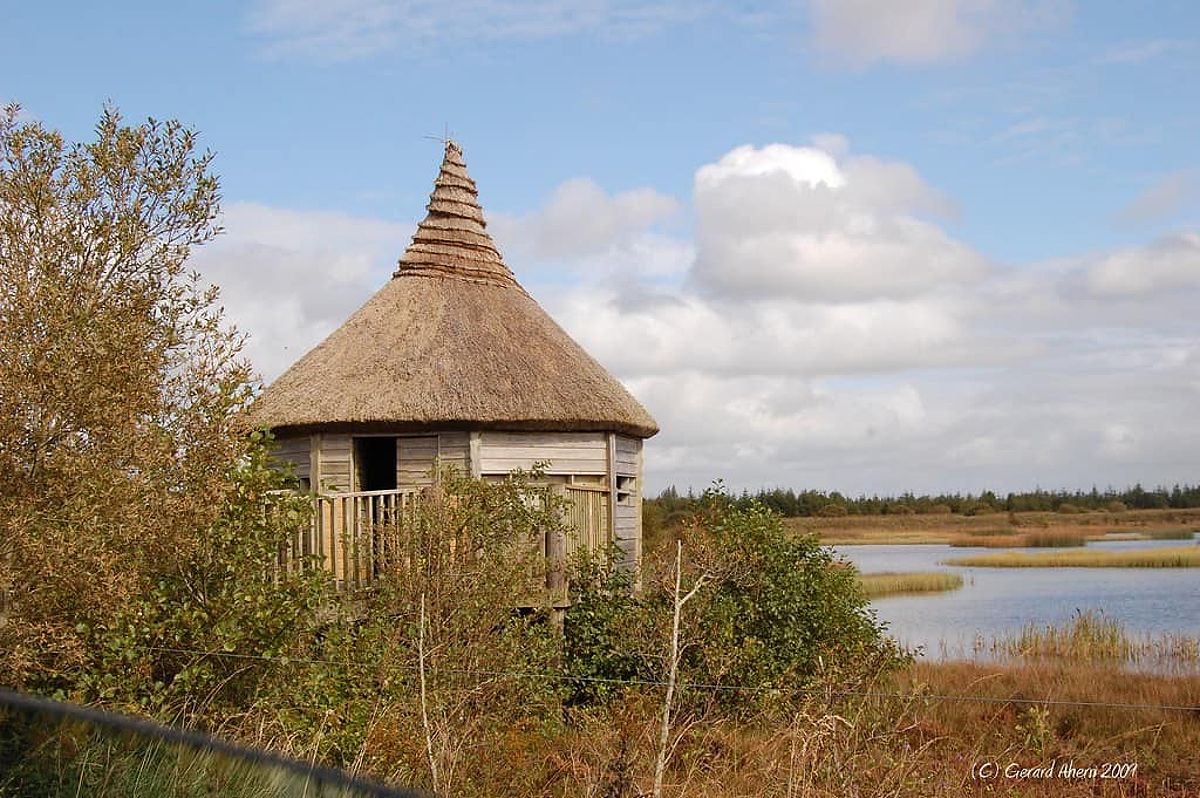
997 601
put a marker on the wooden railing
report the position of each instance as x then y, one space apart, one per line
349 534
587 517
344 534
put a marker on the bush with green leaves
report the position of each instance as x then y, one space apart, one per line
178 648
465 558
775 613
131 492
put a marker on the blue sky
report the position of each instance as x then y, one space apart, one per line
985 260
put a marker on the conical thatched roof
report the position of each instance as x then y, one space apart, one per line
453 341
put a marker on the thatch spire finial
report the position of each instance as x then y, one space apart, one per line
452 242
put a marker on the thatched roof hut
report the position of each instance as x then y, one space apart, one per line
453 361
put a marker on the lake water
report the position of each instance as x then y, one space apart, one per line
996 601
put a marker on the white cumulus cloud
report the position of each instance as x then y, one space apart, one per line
798 222
288 278
1169 264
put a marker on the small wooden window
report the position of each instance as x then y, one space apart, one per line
626 489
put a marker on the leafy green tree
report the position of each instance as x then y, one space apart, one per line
131 495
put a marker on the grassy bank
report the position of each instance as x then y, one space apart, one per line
948 527
890 583
1167 557
1171 534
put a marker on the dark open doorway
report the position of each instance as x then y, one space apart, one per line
375 462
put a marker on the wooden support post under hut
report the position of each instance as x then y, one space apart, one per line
452 363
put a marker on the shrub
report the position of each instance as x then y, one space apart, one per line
464 560
220 593
776 613
833 510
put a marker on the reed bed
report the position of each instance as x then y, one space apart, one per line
1170 534
1092 638
1166 557
889 583
1010 539
991 532
1055 538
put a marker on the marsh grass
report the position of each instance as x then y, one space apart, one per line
1009 541
1166 557
1050 537
1095 639
1055 538
890 583
929 528
1170 534
991 532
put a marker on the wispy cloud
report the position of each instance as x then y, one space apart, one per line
1141 52
349 29
842 33
861 33
1162 199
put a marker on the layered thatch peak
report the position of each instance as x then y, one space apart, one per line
452 340
453 241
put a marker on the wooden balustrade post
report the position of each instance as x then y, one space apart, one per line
556 575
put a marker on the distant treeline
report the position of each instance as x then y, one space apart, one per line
789 502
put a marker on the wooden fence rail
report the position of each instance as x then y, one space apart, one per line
349 536
344 534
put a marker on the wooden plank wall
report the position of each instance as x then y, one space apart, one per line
454 449
493 453
415 457
627 510
297 451
566 452
336 456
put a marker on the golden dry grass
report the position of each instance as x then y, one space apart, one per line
1165 557
1093 638
856 530
1012 541
890 583
909 736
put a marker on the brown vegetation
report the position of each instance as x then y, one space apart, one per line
887 583
1164 557
963 529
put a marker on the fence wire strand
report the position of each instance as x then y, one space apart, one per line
699 686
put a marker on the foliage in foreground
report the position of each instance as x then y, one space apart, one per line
132 499
773 614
